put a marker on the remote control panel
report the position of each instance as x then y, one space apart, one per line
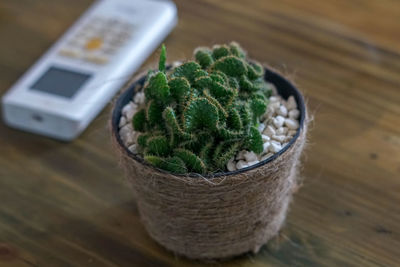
73 81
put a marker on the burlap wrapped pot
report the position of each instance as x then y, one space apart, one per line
218 216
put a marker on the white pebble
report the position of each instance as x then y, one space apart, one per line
274 147
288 138
278 121
130 113
269 131
279 138
250 156
270 111
130 139
253 162
266 147
261 127
126 137
291 103
133 149
122 121
291 132
129 110
240 155
291 124
241 164
273 99
282 110
139 98
231 166
281 131
266 156
294 114
275 105
265 138
126 129
135 136
127 107
284 144
176 64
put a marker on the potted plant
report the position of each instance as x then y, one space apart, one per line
211 147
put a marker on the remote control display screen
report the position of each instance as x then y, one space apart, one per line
60 82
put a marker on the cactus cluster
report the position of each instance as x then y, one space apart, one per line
199 114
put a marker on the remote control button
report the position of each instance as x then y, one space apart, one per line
71 53
110 50
84 33
127 27
75 43
96 59
94 43
123 35
117 40
112 22
96 21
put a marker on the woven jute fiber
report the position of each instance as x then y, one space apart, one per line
220 217
211 218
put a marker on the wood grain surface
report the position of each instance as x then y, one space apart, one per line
67 204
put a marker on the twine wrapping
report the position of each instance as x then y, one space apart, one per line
215 217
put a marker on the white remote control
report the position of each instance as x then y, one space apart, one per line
73 81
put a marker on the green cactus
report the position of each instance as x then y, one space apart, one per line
200 114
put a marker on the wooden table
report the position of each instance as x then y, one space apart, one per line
68 204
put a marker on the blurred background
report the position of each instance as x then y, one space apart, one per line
67 204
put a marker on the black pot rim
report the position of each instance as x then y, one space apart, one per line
284 87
